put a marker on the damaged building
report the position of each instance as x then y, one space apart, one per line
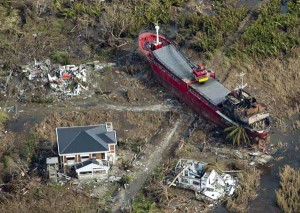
199 177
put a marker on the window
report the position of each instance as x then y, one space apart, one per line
70 158
196 183
94 156
184 180
86 173
99 172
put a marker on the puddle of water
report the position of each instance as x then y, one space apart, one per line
284 6
250 4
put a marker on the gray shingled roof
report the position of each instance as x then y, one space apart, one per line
84 139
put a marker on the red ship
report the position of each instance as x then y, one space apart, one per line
199 88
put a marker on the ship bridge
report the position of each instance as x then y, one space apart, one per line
180 66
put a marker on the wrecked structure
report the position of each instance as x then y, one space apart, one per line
202 179
52 168
57 80
68 79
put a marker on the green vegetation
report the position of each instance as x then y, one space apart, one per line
28 150
60 57
3 117
142 204
76 9
237 135
35 28
288 195
273 32
210 31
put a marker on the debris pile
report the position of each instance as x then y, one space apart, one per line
202 179
68 79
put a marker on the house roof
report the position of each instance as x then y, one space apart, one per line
83 139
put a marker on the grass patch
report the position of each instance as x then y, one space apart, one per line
3 117
60 57
143 204
287 196
249 182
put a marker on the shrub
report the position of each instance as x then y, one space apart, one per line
210 31
143 204
60 57
29 149
3 117
287 196
273 32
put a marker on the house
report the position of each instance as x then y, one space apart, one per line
86 143
189 173
199 177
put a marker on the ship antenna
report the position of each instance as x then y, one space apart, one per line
157 29
241 86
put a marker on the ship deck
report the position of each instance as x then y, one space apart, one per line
212 90
172 59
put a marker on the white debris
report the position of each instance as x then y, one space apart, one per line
100 66
192 175
252 163
263 159
254 153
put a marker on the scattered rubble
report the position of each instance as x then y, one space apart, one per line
199 177
68 79
40 81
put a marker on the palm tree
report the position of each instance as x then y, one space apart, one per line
237 134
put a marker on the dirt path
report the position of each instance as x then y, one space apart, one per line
151 108
150 163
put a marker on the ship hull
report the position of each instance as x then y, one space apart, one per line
180 88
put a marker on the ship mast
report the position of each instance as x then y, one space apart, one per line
241 86
157 37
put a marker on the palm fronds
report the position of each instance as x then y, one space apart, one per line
237 135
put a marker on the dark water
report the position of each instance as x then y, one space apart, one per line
284 6
250 4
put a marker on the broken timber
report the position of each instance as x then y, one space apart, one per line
178 175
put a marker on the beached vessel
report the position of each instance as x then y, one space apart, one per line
200 89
